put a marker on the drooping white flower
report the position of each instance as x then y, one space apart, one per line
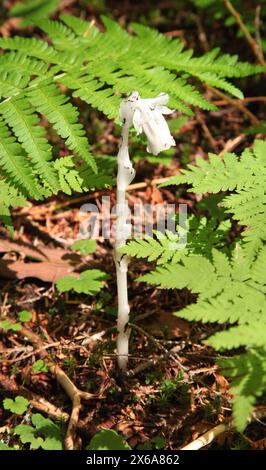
149 118
147 115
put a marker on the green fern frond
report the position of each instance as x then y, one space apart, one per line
219 82
217 174
19 115
69 177
248 373
205 234
92 181
81 28
246 176
195 272
34 9
258 268
163 248
9 197
228 291
19 62
99 67
202 236
92 91
12 84
49 101
174 58
241 335
62 37
16 165
148 61
79 179
32 47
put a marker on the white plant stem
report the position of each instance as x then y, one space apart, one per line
146 115
125 175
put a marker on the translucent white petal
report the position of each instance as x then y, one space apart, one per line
137 121
165 110
158 100
147 115
156 129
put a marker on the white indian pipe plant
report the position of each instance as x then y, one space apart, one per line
146 115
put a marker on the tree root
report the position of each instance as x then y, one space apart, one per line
61 377
210 435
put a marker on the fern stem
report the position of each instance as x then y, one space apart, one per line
125 175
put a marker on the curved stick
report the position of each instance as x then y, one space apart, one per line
210 435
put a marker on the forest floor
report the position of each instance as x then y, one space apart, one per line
181 394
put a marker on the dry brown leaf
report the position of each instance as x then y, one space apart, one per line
7 27
46 271
259 445
166 322
40 252
220 383
55 262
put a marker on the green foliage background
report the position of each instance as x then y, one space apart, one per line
55 68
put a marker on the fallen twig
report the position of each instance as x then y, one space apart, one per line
31 353
157 360
87 197
210 435
250 40
232 144
207 132
237 104
257 23
36 401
